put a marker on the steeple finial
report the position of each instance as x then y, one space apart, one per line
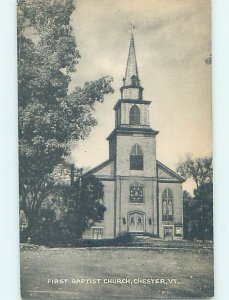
131 76
132 27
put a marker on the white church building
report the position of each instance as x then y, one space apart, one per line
141 194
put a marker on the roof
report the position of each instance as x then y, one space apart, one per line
167 174
131 68
107 167
122 130
131 101
105 171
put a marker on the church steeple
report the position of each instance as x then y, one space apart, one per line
131 111
131 68
131 88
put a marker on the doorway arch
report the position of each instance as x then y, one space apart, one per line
136 221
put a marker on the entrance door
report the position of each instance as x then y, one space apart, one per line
136 222
168 232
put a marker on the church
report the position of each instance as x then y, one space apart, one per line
141 195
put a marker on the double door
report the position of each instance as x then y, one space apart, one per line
136 222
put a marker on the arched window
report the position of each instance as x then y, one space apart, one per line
136 158
134 80
134 115
167 205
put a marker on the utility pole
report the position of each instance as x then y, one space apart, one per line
79 197
76 182
72 175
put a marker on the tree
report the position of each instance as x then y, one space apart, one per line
199 169
198 210
187 215
68 212
50 116
85 206
204 199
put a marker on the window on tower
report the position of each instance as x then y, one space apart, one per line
167 205
135 115
134 80
136 158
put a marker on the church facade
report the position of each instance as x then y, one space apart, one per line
141 194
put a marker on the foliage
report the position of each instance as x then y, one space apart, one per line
204 197
50 116
198 210
198 219
199 169
81 205
84 207
187 214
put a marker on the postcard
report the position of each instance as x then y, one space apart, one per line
115 149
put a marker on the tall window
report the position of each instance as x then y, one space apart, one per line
134 115
136 158
167 205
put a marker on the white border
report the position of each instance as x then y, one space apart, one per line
220 51
9 243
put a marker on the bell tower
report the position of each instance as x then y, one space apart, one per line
131 111
132 124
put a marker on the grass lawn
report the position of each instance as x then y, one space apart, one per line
179 273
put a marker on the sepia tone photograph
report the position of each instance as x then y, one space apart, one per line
115 149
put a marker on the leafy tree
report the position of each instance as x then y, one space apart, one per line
199 169
198 210
81 205
50 116
187 215
204 199
85 206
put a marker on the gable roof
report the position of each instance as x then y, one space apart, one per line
166 174
104 170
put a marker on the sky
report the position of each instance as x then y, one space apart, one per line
172 40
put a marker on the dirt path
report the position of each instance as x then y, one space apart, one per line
116 273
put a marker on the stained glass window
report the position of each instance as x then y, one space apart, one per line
167 205
136 194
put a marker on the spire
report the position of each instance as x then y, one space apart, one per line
131 75
131 88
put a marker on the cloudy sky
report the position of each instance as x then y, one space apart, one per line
172 39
